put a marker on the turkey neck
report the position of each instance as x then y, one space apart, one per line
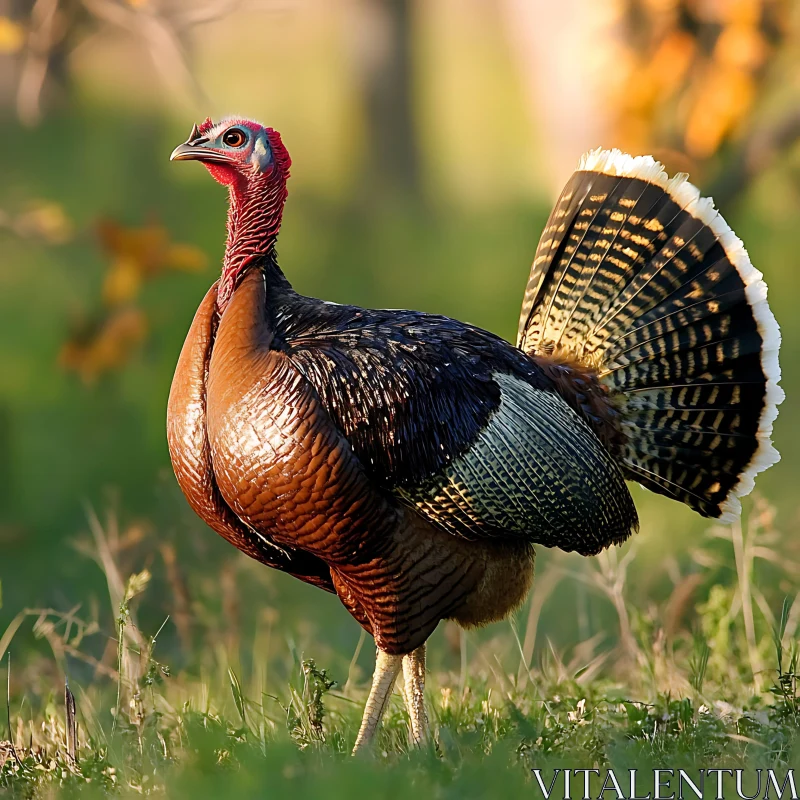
254 220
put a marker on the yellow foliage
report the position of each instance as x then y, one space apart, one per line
12 35
185 257
45 220
123 281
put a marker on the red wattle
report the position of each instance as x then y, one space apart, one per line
222 173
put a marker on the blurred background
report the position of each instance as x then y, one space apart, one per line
429 141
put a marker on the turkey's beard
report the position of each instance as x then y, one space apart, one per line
254 220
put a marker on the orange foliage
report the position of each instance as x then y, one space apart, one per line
118 328
690 70
107 344
139 254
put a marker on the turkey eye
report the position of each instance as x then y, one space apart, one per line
234 138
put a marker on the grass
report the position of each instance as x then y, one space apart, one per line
708 679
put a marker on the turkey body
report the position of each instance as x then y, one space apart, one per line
407 462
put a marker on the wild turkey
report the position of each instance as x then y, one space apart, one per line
409 462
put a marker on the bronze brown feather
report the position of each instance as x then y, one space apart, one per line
409 462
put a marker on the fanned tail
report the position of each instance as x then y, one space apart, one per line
641 280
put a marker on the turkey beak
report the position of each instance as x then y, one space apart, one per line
194 149
188 152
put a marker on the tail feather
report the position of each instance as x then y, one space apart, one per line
640 279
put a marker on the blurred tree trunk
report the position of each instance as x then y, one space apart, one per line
36 73
385 54
37 36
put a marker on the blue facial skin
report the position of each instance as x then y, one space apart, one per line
262 152
255 141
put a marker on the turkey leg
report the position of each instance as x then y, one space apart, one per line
387 667
414 693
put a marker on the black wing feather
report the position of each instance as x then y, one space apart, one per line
410 391
458 424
